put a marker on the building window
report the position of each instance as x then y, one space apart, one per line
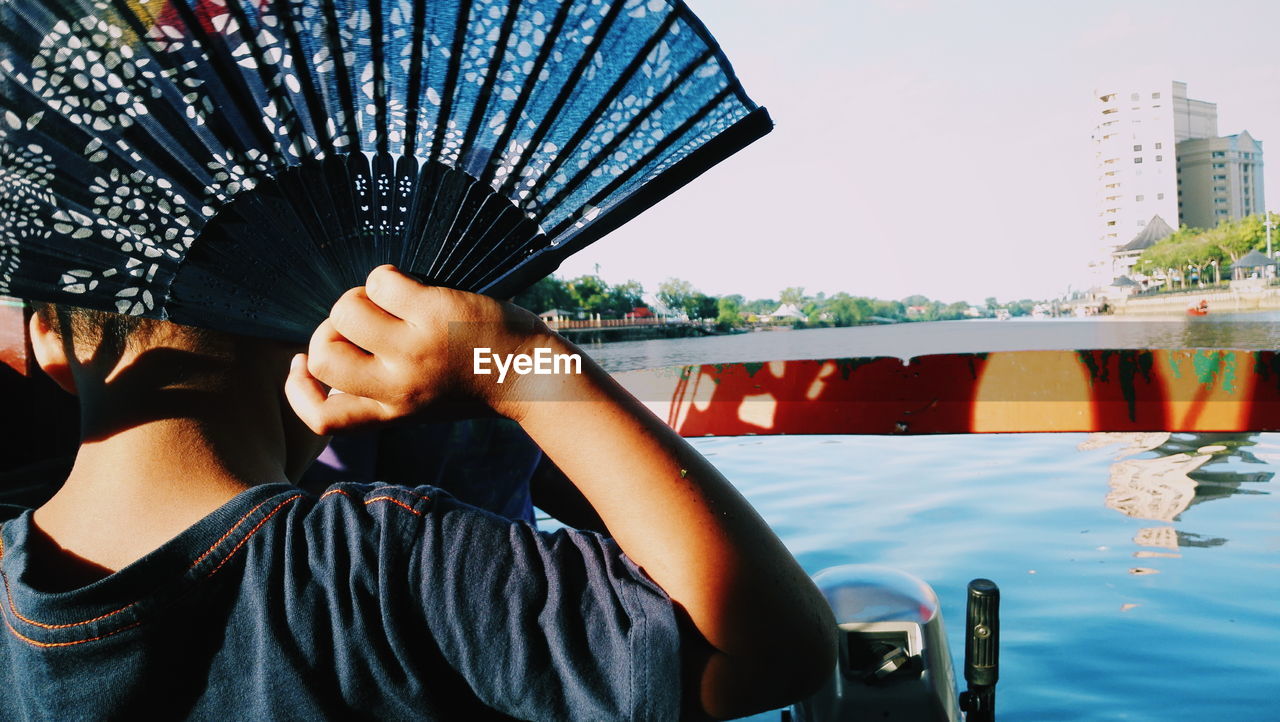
1219 166
1137 149
1219 177
1139 198
1111 223
1155 96
1220 189
1138 159
1221 212
1218 154
1134 96
1159 146
1159 158
1159 196
1220 201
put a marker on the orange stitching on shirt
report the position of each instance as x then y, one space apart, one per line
28 640
8 592
391 499
397 502
47 645
253 531
42 625
224 536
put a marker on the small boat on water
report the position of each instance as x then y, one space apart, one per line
1199 309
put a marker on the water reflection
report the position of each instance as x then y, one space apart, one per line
1254 331
1160 475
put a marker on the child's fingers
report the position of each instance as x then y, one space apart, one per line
365 323
396 293
336 361
305 393
323 411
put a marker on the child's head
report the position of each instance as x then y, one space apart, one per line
80 347
128 370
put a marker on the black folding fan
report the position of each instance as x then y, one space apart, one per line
238 164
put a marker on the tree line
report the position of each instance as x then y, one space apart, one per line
591 295
1199 249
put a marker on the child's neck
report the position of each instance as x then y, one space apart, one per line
132 491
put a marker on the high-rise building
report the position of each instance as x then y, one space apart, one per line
1219 179
1138 128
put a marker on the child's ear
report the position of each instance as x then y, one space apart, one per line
50 351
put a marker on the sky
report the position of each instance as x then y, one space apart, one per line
937 147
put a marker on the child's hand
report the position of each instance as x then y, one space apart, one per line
395 348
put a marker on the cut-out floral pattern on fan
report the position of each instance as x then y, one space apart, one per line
277 151
25 175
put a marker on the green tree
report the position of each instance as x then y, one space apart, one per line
729 312
590 293
546 294
624 298
888 309
1236 238
793 295
700 305
845 310
1187 249
675 294
760 305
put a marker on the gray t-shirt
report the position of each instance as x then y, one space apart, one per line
369 601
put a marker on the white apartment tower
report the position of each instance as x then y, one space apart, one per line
1135 141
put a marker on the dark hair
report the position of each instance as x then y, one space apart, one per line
113 332
75 324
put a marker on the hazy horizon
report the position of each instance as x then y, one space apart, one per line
930 148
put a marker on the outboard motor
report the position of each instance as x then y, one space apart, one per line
894 662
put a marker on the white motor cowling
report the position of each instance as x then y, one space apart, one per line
894 662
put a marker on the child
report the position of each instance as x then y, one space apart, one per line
179 573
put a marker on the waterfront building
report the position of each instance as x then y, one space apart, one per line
1125 257
1157 154
556 314
1219 179
786 311
1253 264
1138 127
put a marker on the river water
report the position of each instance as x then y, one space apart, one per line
1140 573
906 340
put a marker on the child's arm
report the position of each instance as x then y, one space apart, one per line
553 493
396 348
